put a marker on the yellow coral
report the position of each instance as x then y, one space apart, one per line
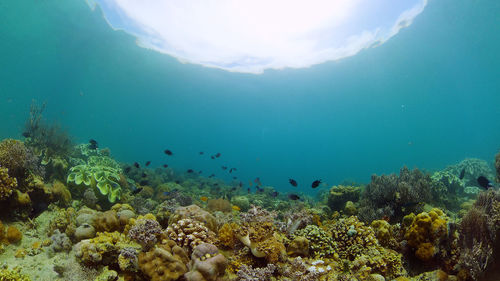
12 275
227 236
426 232
7 184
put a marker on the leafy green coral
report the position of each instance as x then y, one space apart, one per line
100 171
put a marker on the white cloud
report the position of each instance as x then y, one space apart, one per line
254 35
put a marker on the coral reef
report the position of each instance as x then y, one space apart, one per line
248 273
426 232
341 194
190 233
165 262
320 241
145 232
206 264
99 172
394 196
219 204
60 242
195 213
497 166
7 184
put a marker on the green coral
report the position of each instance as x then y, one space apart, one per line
100 171
341 194
12 275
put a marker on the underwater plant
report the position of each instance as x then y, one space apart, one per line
100 172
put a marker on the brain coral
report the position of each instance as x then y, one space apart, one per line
7 184
426 232
165 262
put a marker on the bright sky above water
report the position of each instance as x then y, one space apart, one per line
255 35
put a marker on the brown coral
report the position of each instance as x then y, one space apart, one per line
220 205
13 235
227 236
426 232
165 262
190 233
194 212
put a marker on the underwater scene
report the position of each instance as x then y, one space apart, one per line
250 140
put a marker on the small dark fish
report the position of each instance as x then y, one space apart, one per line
484 182
224 168
200 172
293 196
189 171
462 174
136 165
240 184
315 183
216 184
231 170
93 144
293 182
217 155
211 176
168 152
257 181
233 188
213 157
201 152
259 189
147 163
275 194
144 175
165 166
235 178
166 193
127 169
137 190
177 182
26 134
144 182
248 189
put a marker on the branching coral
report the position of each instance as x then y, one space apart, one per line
426 232
479 229
145 232
248 273
393 196
190 233
165 262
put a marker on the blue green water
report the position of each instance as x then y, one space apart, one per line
427 98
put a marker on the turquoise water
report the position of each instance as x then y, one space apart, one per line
427 98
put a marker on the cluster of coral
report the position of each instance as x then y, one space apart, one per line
92 218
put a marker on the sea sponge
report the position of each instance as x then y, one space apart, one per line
426 232
219 204
107 221
207 264
194 212
7 184
165 262
13 235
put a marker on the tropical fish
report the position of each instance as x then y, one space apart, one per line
248 190
204 198
293 182
165 165
168 152
137 190
293 196
127 169
274 194
189 171
211 176
144 175
201 152
224 168
257 181
217 155
236 208
315 183
462 174
136 165
213 157
147 163
484 182
93 144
